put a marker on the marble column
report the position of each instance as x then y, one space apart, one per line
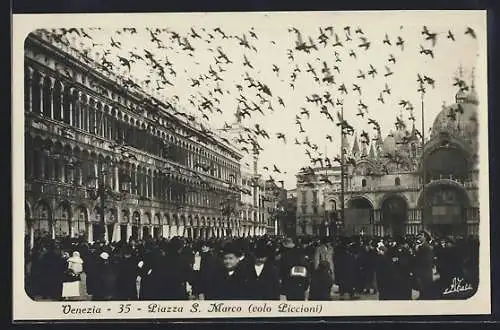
51 95
129 231
29 86
117 182
90 234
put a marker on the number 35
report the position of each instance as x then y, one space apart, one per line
124 308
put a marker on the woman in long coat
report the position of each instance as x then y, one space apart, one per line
105 288
126 281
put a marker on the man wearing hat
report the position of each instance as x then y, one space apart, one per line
127 275
423 266
177 271
294 272
324 252
210 266
263 278
106 278
394 273
230 282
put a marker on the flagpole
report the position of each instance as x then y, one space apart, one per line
342 206
423 157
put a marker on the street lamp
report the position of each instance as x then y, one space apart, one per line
421 90
99 190
230 206
278 212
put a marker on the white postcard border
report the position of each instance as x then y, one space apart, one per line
26 309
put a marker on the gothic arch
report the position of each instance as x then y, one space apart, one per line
47 97
362 198
394 212
392 195
42 219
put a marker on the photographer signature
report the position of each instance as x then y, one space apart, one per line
457 285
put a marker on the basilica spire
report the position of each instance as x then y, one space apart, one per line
364 149
371 153
355 146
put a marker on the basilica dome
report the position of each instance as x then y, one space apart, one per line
392 142
460 119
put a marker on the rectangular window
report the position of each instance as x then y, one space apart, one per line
304 197
315 197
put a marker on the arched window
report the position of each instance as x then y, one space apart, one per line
80 222
67 106
27 89
397 181
47 98
42 220
62 221
84 111
92 117
57 100
35 92
75 107
363 183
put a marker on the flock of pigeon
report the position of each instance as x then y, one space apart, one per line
251 95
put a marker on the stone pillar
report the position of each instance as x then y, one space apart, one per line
173 231
71 228
106 232
29 86
62 167
90 234
129 231
32 236
116 232
96 174
51 96
152 181
165 233
117 182
40 86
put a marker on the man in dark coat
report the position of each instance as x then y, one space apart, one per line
346 268
53 268
147 262
126 281
210 265
157 276
393 274
178 271
105 272
423 267
230 283
321 282
263 278
247 259
294 273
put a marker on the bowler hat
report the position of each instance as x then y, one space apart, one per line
261 250
231 248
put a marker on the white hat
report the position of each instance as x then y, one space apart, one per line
104 255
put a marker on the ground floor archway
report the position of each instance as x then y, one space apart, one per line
358 216
394 215
445 210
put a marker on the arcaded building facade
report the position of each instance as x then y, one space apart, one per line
160 175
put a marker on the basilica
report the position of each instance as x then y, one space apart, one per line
394 186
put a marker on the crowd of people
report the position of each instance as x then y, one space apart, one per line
255 268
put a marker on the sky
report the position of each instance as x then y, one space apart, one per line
274 38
